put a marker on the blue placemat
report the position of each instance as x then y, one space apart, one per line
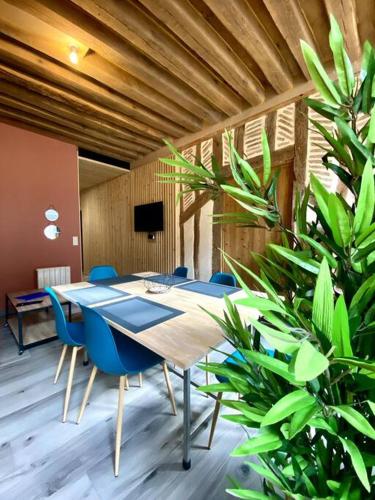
94 294
211 289
116 281
172 280
33 296
137 314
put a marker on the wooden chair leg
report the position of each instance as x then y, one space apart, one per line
60 364
120 412
70 382
87 393
214 419
170 388
126 382
140 379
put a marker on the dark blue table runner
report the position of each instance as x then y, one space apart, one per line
94 294
128 278
137 314
211 289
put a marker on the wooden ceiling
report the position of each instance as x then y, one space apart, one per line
150 69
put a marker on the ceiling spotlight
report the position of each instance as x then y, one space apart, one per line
73 55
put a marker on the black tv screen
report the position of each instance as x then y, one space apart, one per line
149 218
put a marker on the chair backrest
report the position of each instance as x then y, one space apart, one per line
60 320
102 273
100 344
181 272
223 279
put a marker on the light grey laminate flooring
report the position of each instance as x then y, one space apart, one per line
40 457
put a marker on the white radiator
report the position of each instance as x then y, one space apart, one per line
51 276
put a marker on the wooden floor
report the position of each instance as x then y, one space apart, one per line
40 457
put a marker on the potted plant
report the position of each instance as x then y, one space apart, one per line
312 401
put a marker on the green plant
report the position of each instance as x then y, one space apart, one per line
314 401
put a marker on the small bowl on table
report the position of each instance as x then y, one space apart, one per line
161 283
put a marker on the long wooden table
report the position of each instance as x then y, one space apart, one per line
183 340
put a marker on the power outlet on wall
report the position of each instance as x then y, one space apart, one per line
75 241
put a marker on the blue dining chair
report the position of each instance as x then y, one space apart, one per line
116 354
223 279
181 272
71 335
232 359
102 273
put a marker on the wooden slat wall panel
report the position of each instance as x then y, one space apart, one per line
189 154
252 137
206 153
108 221
225 158
285 126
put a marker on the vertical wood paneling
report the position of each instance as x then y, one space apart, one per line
108 223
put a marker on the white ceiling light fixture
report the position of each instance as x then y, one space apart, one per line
73 55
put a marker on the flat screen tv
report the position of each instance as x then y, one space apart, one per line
149 218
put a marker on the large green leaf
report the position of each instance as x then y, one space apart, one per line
323 251
266 158
306 263
270 363
323 303
287 405
321 80
339 221
309 363
267 440
357 461
301 418
365 207
340 329
321 196
357 362
355 419
343 66
249 494
281 341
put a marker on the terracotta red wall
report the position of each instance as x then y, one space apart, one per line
35 172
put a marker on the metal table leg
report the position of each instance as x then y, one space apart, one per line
6 310
186 462
20 333
70 311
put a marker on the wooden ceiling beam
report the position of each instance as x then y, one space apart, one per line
130 22
293 25
70 113
35 63
84 105
70 19
346 15
189 25
25 28
242 21
62 133
29 104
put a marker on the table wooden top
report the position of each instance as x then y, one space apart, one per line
183 340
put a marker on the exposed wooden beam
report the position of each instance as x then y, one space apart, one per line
189 25
241 19
346 15
197 204
130 22
25 28
196 228
269 105
33 63
70 19
29 109
218 206
82 104
293 25
7 115
70 113
270 127
301 123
